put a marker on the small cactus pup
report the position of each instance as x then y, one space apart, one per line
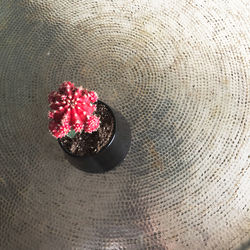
94 137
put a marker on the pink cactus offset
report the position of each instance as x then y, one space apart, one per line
72 107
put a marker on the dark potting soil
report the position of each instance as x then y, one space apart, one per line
86 143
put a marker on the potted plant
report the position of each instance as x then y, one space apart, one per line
94 136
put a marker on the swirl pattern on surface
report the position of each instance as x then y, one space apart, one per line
179 73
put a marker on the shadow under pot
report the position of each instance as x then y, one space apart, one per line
103 149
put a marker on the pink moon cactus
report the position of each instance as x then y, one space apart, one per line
72 108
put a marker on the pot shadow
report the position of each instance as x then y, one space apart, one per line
156 147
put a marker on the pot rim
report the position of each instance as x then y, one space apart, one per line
104 148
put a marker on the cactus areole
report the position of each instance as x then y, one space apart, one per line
94 137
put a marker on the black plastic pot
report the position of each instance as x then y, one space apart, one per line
109 156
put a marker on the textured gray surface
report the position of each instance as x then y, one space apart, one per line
179 73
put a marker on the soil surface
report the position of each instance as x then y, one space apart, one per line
86 143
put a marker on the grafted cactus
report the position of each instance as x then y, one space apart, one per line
72 110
